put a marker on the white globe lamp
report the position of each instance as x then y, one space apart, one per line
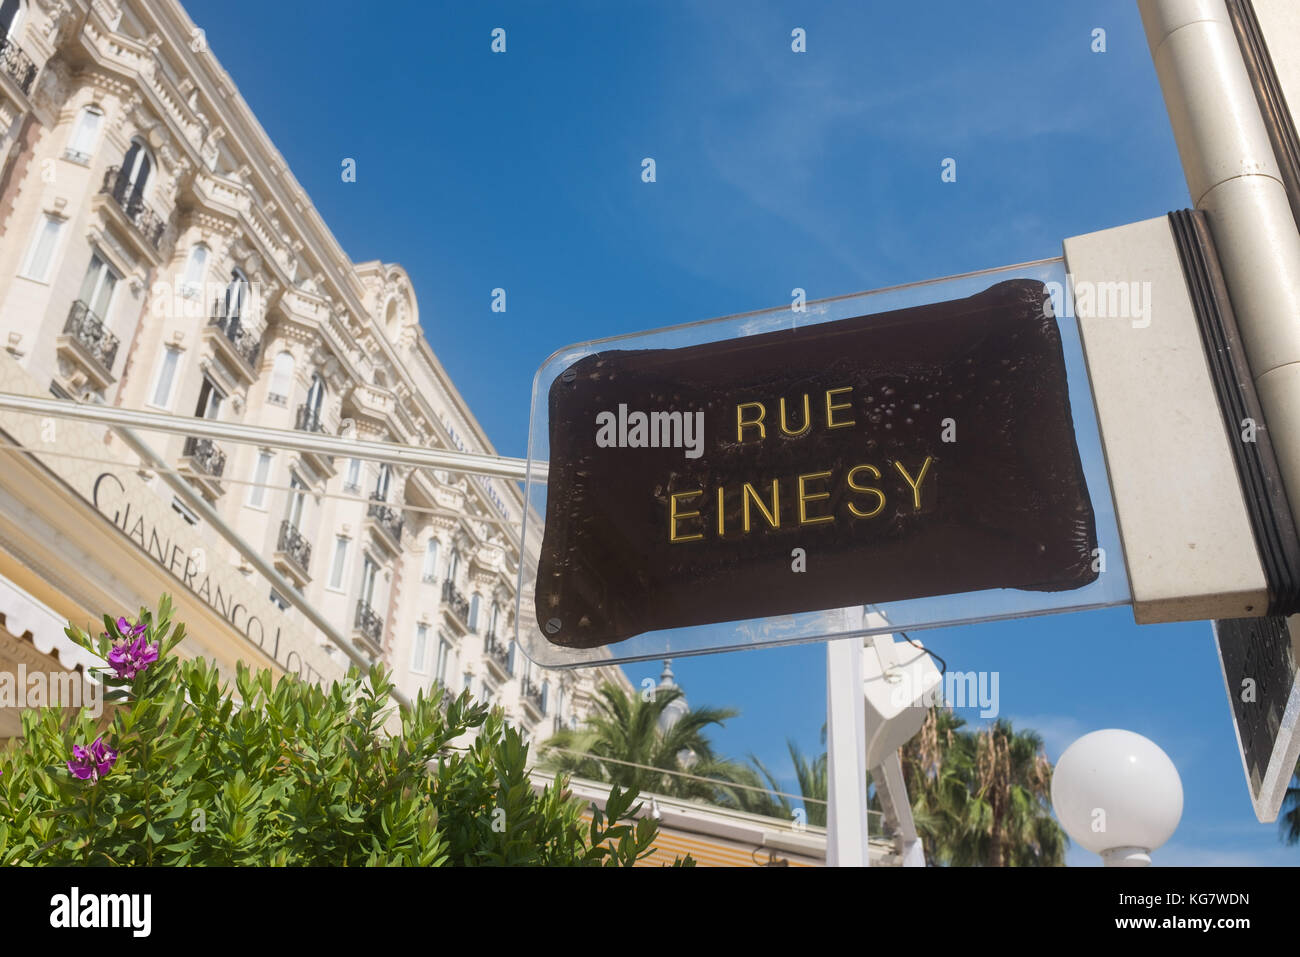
1118 795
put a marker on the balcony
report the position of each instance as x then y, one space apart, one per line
76 156
18 65
147 224
236 347
293 554
387 518
530 693
455 605
369 629
205 462
87 344
309 420
497 655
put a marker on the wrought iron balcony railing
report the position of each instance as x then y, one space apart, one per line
369 624
206 456
245 343
88 329
389 518
532 693
17 64
119 186
293 544
308 420
455 601
497 649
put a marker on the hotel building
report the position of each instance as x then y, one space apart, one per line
156 253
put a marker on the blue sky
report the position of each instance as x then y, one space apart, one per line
774 170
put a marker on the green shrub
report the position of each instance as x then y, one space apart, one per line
283 773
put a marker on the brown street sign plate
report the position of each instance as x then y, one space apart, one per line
918 452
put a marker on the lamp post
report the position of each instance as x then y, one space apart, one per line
1118 795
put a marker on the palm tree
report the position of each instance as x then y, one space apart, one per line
812 779
624 743
982 797
937 770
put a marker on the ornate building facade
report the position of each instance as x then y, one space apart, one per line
156 253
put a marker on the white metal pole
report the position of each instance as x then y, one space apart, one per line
846 756
889 779
1235 178
393 453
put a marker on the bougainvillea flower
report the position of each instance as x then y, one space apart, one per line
131 658
92 763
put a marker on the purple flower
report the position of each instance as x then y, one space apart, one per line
132 657
90 764
128 630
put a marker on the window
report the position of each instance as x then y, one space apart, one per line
162 389
453 566
444 653
368 574
84 135
279 601
210 398
282 376
430 559
381 483
236 294
195 268
473 612
316 394
546 693
98 287
353 481
339 564
494 620
469 678
297 499
132 177
510 658
419 648
257 495
42 252
11 15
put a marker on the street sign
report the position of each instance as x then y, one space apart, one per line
753 472
1259 661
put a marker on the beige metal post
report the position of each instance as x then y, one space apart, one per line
1234 177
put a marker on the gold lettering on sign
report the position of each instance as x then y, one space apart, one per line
832 407
773 517
805 498
915 483
741 422
880 496
675 516
807 418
